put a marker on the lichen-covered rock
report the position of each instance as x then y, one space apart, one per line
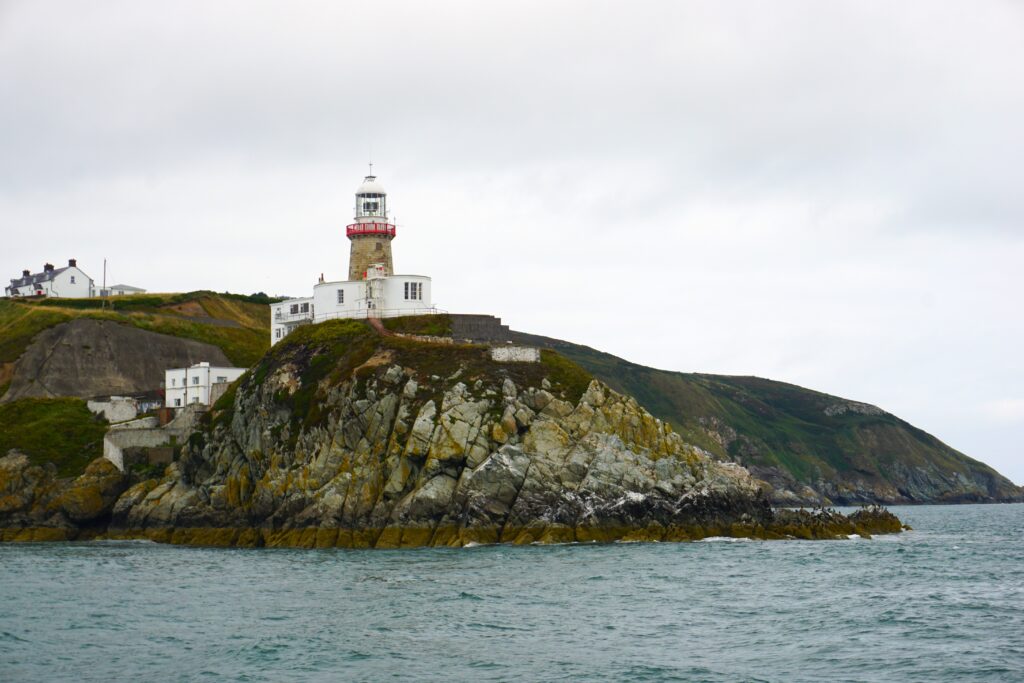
37 505
93 494
393 448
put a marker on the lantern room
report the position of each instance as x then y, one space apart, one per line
371 199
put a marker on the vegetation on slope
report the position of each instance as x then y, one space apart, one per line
438 325
765 424
329 353
237 324
57 430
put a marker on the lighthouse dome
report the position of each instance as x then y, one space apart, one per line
370 186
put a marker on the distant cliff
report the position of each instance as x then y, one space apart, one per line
811 447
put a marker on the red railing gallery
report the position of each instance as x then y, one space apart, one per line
386 229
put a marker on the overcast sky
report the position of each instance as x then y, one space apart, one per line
824 193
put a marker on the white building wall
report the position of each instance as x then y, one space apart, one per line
387 294
397 304
187 386
289 314
70 283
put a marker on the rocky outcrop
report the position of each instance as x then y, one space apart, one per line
87 357
388 453
37 506
812 448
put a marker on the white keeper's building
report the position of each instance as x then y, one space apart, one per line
201 383
69 282
372 290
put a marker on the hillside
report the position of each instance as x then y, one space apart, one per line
345 437
810 446
236 325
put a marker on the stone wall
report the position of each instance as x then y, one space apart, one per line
146 433
367 250
478 328
515 354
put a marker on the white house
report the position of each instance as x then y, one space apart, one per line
372 289
201 383
69 282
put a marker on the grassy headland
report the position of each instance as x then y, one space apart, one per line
57 430
237 324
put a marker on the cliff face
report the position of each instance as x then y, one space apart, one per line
811 447
341 439
86 358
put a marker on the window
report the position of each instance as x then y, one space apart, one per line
341 296
174 382
304 308
195 380
222 379
72 279
414 291
177 403
294 309
277 333
195 399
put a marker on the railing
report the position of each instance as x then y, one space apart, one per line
378 313
386 229
285 316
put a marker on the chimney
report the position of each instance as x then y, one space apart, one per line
72 263
47 267
26 273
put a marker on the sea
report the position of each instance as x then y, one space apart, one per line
944 602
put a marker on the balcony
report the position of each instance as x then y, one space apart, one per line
379 229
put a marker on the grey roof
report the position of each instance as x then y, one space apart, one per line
37 278
140 289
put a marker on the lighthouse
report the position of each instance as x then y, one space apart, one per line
371 233
373 289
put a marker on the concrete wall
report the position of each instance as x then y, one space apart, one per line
145 433
116 409
515 354
478 328
116 440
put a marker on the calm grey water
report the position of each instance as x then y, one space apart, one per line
942 603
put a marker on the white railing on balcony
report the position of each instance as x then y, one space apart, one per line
362 314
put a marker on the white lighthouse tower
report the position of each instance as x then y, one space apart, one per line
372 288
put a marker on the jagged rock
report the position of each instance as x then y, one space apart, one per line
369 461
32 497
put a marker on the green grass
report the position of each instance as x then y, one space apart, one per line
57 430
328 354
439 325
779 425
244 343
